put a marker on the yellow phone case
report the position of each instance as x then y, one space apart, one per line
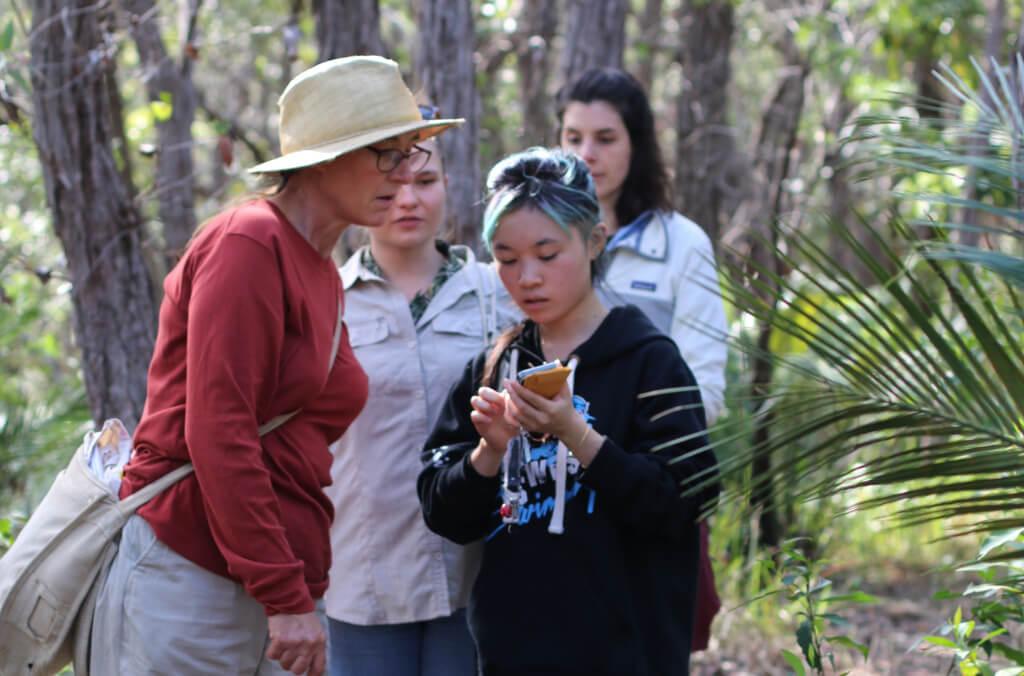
547 383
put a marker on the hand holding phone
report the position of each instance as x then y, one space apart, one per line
546 379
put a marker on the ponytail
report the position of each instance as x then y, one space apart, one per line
501 345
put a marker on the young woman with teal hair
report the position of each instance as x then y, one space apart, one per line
590 562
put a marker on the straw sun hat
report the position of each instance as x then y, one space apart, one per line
342 105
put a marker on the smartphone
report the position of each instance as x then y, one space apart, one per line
546 379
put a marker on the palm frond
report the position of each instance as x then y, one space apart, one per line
1010 268
910 358
35 442
906 388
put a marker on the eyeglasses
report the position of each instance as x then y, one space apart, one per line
429 112
389 158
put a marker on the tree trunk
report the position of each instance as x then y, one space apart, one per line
81 143
841 199
444 68
170 81
771 164
930 92
538 21
759 216
650 35
489 62
595 36
291 36
840 182
705 143
347 27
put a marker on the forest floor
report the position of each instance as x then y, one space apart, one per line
892 628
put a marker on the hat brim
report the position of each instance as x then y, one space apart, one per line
326 152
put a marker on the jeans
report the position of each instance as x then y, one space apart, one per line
439 647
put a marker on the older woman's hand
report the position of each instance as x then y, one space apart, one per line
298 643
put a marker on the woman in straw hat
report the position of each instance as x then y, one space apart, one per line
224 571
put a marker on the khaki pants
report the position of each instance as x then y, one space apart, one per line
159 613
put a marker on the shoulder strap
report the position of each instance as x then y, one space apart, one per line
274 423
147 493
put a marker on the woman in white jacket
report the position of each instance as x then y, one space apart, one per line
416 310
659 260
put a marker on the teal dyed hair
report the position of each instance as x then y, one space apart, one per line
556 183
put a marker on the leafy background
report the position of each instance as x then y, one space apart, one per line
883 455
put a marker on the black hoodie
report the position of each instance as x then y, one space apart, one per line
615 593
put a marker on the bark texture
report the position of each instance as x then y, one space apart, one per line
538 21
841 201
705 145
347 27
445 70
650 36
168 79
595 36
82 148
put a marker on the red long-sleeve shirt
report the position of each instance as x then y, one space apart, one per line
245 333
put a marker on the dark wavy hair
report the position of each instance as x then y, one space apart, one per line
646 185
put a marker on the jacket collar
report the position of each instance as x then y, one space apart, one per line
647 237
468 279
354 271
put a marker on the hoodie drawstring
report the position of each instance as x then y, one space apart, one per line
555 526
511 464
517 455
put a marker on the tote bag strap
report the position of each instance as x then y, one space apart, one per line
277 421
147 493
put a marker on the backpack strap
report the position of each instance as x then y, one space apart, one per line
147 493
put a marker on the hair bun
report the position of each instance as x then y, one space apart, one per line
539 164
554 182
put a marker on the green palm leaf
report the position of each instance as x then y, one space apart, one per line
907 388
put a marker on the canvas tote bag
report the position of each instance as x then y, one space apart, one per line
49 579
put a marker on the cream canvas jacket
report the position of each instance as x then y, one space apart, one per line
387 566
666 268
